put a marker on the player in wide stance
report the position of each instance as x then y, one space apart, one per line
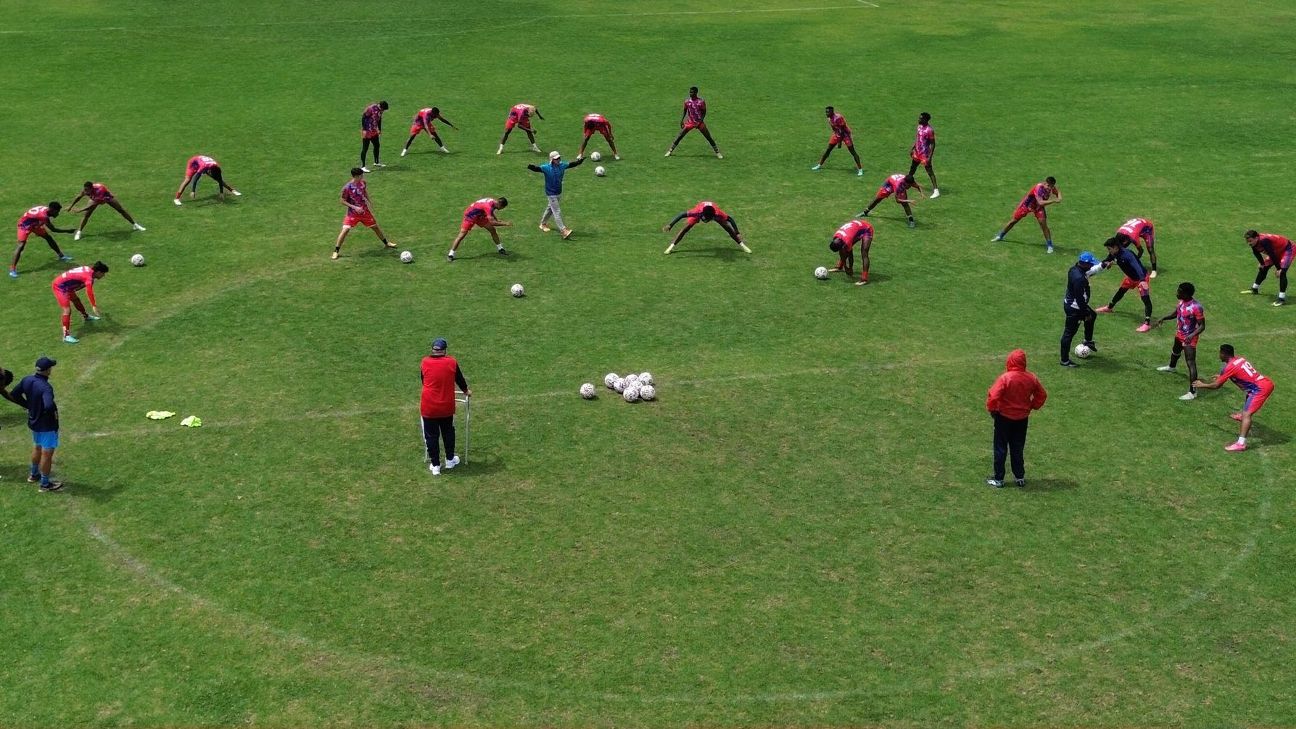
98 194
371 133
694 117
899 185
1136 277
65 287
1190 322
1036 202
923 149
841 135
597 123
423 123
38 221
856 232
705 212
1271 251
520 116
481 214
1139 232
1257 387
198 166
355 197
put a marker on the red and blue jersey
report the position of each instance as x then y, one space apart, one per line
1189 316
425 117
695 212
1274 246
36 217
1138 230
201 163
1245 376
356 192
1038 194
924 139
521 112
483 208
371 120
99 193
837 123
695 110
853 232
898 184
71 281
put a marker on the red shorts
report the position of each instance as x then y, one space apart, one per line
1187 342
1142 286
369 133
353 218
837 139
525 124
39 230
919 157
603 128
885 192
1256 401
63 299
468 223
1286 261
416 128
695 125
1041 214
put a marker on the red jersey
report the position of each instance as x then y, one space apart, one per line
1274 246
201 163
99 193
437 374
1038 194
521 112
356 192
372 118
695 110
696 211
924 140
72 281
853 232
595 119
1188 316
484 207
1244 375
37 217
1138 229
837 123
899 185
424 117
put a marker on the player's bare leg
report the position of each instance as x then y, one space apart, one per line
120 211
908 212
503 139
870 207
13 266
859 166
823 159
581 152
337 245
408 142
675 143
678 237
864 263
440 145
931 174
382 237
85 219
612 145
1006 228
499 247
531 138
731 228
454 246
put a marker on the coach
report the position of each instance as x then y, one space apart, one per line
1010 401
36 394
439 374
1075 305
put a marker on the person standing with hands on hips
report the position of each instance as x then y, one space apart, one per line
35 393
439 374
553 172
1010 401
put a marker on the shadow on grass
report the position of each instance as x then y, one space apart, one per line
106 325
1049 485
115 236
87 490
476 466
727 254
1106 364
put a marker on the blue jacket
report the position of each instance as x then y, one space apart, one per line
554 174
36 394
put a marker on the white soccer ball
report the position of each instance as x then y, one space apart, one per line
406 257
630 394
137 259
587 391
648 392
610 379
821 273
1083 351
595 156
600 170
517 291
631 379
619 385
645 378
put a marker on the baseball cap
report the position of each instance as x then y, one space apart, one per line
439 343
45 363
1088 257
554 154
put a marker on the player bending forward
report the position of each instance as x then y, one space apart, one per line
856 232
841 135
1139 232
423 123
65 287
694 117
481 214
97 194
520 116
1190 322
1271 251
705 212
198 166
1257 387
36 221
598 124
1036 203
1136 277
371 133
355 197
899 185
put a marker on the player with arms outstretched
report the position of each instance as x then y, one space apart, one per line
923 149
198 166
598 124
1190 322
65 287
520 116
705 212
899 185
97 194
481 214
1136 277
1036 203
856 232
371 133
694 117
1257 387
1271 251
38 221
355 198
841 135
422 122
1139 232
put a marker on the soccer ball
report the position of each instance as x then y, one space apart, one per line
610 379
1083 351
645 379
821 273
648 392
632 379
587 391
406 257
137 260
517 291
596 156
600 171
631 394
619 385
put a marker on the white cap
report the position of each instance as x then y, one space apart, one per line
554 154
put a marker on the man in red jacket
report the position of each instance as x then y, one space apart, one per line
439 374
1010 401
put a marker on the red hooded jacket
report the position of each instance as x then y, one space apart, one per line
1017 391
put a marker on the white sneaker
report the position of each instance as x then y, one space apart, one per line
616 157
1165 368
935 193
535 149
435 469
237 193
445 151
500 150
177 202
719 156
404 152
76 236
364 170
669 151
452 463
140 228
379 164
1188 396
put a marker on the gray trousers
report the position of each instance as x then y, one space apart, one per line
553 211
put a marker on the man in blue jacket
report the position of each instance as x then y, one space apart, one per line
35 393
553 173
1075 305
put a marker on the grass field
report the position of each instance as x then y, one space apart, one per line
797 532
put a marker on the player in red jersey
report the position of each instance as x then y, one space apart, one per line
355 198
1257 387
899 185
1190 322
598 124
1139 232
481 214
1272 251
923 149
841 135
198 166
98 194
423 123
371 133
65 287
694 117
1036 202
856 232
705 212
520 116
36 221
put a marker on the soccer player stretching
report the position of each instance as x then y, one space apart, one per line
481 214
198 166
98 194
371 132
856 232
1190 322
706 212
923 149
898 185
35 222
1271 251
694 117
597 123
520 116
1257 387
355 197
1136 277
423 123
65 287
1036 202
841 134
1138 232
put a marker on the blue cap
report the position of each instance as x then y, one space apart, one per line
439 344
1088 257
45 363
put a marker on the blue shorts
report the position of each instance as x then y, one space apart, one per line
47 439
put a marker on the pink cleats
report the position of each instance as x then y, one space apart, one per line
1235 447
1103 310
1144 328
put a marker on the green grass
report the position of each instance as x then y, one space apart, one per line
796 532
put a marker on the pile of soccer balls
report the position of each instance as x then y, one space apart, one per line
632 388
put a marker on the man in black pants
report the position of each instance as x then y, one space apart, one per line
1010 401
440 374
1075 304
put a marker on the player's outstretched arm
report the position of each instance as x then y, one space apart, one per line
576 162
666 228
72 208
534 168
448 122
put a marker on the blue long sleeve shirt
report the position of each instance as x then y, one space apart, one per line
36 394
553 174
